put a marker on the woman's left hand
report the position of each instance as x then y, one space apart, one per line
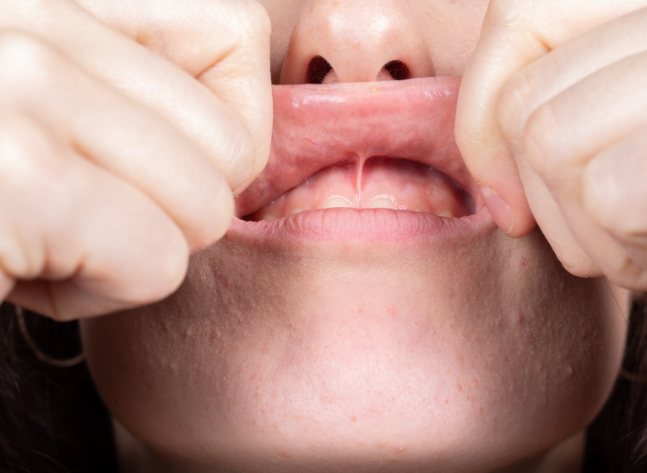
552 122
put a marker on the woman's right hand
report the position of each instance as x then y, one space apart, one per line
125 129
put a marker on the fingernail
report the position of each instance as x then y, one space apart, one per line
501 212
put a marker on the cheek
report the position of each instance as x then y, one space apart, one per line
364 354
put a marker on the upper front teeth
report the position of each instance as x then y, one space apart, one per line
337 201
446 214
383 201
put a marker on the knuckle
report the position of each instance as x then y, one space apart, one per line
572 256
17 141
170 272
574 264
601 208
565 260
21 256
23 145
25 64
618 224
613 206
628 273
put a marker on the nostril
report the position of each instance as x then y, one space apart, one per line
318 69
398 70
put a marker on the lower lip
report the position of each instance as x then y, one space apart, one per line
364 225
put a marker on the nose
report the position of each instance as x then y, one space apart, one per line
356 41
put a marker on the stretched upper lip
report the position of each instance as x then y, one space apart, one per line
318 126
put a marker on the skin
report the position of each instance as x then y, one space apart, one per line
132 87
523 88
317 357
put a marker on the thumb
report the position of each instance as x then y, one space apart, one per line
515 33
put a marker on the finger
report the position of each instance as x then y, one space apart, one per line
536 84
515 34
224 43
556 227
102 244
559 159
610 255
614 191
118 134
615 101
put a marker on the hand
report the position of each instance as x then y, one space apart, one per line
125 126
553 109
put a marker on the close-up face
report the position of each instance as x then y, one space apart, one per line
364 313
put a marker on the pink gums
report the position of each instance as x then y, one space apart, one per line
326 138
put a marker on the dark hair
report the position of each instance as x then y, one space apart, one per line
617 440
53 421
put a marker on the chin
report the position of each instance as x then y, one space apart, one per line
363 356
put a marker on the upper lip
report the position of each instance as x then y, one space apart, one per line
319 126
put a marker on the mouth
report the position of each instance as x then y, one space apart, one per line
366 153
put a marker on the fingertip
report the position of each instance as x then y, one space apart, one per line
226 210
499 209
158 272
524 222
514 218
492 165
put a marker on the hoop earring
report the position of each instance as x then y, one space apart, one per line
58 363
